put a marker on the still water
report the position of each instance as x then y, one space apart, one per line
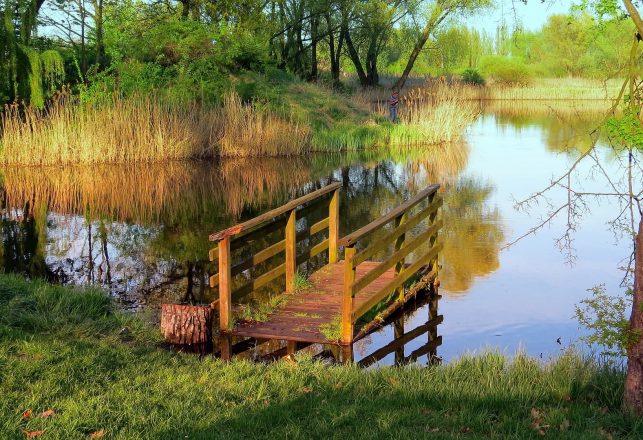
141 231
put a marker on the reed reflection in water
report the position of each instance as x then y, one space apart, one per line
141 231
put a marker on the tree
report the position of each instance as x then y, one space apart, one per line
25 73
439 11
627 132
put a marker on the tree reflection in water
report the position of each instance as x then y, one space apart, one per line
142 230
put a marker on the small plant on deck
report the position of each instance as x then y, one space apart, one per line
301 282
259 312
332 330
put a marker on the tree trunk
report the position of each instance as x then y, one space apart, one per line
372 76
437 17
314 32
633 396
419 45
98 25
185 9
354 55
188 328
634 14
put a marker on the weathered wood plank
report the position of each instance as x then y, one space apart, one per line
258 282
333 227
291 251
251 262
347 297
311 252
225 285
385 241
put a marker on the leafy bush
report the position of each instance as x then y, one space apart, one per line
472 76
506 71
606 318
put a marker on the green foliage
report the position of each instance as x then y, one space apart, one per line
52 67
505 70
626 129
606 318
332 330
301 282
472 76
29 76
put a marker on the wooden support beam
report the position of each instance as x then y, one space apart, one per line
399 266
225 285
291 347
333 227
291 251
347 299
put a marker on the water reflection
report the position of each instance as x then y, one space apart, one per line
141 231
566 126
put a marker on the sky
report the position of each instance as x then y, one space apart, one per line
532 15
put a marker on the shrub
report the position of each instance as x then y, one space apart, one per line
472 76
506 71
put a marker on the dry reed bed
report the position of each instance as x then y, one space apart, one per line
143 129
151 193
139 129
548 89
248 131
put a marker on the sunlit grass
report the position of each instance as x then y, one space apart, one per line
136 129
250 131
65 350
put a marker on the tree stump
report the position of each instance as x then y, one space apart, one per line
188 328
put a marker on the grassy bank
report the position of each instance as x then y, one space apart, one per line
66 351
257 117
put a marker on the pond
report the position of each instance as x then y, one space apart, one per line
141 231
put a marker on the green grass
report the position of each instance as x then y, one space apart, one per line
64 350
332 330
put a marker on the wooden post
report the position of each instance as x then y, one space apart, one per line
291 347
433 332
346 354
291 251
225 298
398 332
432 218
347 301
333 227
399 243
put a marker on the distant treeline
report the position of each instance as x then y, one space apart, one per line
574 45
197 49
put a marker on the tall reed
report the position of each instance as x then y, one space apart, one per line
136 129
250 131
432 116
144 129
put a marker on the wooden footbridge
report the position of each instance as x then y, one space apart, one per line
346 298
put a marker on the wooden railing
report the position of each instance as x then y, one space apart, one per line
404 222
242 235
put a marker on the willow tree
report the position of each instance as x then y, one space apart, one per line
26 74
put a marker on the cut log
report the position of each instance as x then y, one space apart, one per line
188 328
